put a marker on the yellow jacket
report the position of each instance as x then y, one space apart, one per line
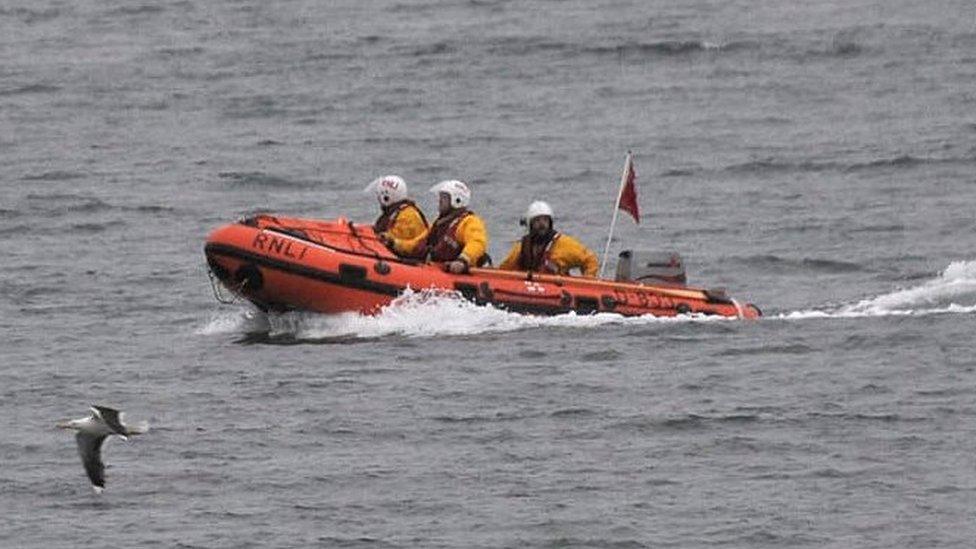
408 223
470 239
564 254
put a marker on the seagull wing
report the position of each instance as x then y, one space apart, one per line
90 450
111 417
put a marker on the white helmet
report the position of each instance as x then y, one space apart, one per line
460 193
388 189
536 209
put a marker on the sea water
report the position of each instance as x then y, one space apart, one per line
815 158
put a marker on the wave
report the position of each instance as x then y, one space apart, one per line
30 16
658 48
60 203
29 89
412 7
678 172
684 422
414 314
144 9
906 161
883 228
17 229
797 349
840 47
519 46
56 175
478 418
771 165
67 203
180 51
797 49
901 161
261 179
151 209
437 48
805 264
90 228
247 107
766 46
953 291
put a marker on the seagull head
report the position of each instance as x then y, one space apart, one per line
64 424
73 424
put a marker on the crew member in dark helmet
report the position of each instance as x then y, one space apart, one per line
543 250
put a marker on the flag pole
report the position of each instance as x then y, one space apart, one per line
616 210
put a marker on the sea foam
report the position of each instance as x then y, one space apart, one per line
952 291
415 314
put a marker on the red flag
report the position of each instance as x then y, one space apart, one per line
628 190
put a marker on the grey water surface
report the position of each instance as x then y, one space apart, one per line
816 158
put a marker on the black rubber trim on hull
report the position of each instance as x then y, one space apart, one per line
305 271
534 309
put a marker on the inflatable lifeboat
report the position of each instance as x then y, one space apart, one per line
333 266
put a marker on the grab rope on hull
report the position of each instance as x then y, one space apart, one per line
219 288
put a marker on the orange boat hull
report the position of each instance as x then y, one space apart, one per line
283 264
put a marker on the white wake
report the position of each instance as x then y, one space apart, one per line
415 314
429 313
953 291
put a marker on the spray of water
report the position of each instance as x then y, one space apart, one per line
433 313
953 291
415 314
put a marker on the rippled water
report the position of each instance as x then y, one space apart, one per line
817 159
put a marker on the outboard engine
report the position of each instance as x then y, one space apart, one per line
651 267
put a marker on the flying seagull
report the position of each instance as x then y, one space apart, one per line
92 432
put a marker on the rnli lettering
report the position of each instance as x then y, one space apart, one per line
280 246
276 245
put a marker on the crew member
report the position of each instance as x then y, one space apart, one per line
399 216
543 250
457 237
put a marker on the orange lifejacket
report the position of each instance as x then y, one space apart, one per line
537 257
442 243
388 217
